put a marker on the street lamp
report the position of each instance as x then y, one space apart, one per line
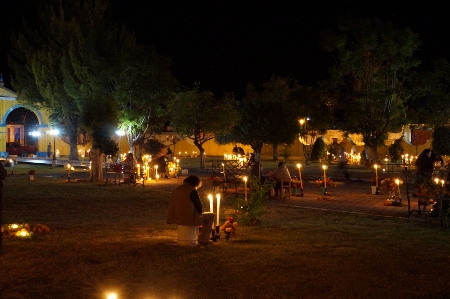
120 133
54 132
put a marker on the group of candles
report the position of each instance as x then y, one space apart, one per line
211 207
242 160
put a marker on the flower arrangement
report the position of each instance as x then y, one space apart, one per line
229 227
296 183
24 231
320 182
388 185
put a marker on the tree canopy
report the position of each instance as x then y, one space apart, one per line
372 61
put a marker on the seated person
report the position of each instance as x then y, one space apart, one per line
129 168
281 174
185 208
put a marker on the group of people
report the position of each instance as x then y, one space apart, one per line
130 165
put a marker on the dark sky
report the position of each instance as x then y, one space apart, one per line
226 44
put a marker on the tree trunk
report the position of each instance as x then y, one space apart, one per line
202 157
96 173
275 151
73 141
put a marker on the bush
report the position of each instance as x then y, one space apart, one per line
250 211
319 150
396 150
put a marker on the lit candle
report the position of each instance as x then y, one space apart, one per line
210 197
245 187
68 172
397 181
218 207
299 172
324 175
139 169
376 175
156 171
223 169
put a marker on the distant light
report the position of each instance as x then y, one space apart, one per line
112 296
34 133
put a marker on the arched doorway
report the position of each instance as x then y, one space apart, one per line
19 123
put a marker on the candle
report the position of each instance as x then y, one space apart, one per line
218 207
397 181
223 169
156 171
376 175
139 169
68 172
210 203
300 173
324 175
245 187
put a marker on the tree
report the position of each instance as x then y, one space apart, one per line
198 116
282 117
429 107
372 61
68 67
315 114
440 144
141 91
254 125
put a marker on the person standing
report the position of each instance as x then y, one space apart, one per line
424 164
185 208
49 150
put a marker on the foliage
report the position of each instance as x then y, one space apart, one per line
396 150
429 105
198 116
141 90
251 210
319 150
153 147
283 117
426 188
373 60
66 65
440 142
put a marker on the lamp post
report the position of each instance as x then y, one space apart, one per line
54 132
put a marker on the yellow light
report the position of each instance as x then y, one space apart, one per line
112 296
324 167
299 165
436 180
245 179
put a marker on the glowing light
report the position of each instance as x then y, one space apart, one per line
112 296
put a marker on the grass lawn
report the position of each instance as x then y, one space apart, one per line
115 239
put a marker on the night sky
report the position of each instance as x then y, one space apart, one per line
226 44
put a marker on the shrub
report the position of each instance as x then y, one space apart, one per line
396 150
250 211
319 150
